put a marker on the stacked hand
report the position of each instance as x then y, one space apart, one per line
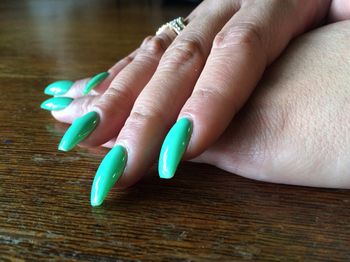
203 77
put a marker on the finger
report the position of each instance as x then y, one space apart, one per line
273 138
116 69
77 108
58 129
110 143
113 72
159 103
78 86
239 56
339 10
83 105
113 107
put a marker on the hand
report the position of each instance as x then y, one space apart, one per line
295 128
206 74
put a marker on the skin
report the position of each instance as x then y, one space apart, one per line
295 128
339 10
207 73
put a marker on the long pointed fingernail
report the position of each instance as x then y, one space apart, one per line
56 103
108 173
95 81
58 87
173 148
79 130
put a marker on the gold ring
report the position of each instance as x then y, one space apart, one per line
177 25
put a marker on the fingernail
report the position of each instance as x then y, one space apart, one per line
173 148
94 81
108 173
79 130
56 103
58 87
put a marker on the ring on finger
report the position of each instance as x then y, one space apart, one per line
176 25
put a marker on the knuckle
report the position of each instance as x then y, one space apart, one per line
246 35
208 93
115 96
216 95
145 113
181 52
128 59
146 40
154 47
87 105
120 94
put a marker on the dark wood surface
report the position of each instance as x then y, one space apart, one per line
203 214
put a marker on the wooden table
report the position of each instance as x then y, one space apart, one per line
202 214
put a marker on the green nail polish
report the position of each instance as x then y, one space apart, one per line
108 173
58 87
173 148
56 103
79 130
94 81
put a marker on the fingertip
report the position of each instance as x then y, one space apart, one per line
75 109
210 116
95 81
108 173
174 147
60 87
140 160
56 103
110 143
80 129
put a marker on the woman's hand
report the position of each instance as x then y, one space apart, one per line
205 75
295 129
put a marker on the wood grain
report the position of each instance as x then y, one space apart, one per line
203 214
